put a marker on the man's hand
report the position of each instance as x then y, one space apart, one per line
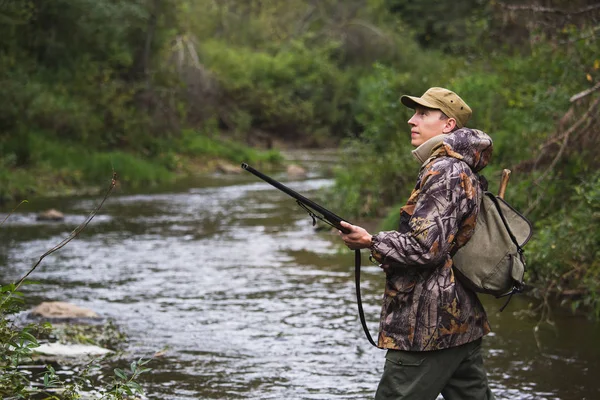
358 238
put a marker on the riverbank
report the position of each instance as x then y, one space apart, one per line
61 170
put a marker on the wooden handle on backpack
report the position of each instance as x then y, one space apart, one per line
503 182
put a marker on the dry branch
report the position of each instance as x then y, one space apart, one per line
551 10
13 210
563 139
73 234
587 118
584 93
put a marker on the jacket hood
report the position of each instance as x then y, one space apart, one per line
472 146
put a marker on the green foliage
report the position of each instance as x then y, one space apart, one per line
519 99
76 165
565 247
15 183
392 219
70 58
200 145
125 382
452 26
16 346
381 177
105 335
294 90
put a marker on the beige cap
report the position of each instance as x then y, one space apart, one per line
441 99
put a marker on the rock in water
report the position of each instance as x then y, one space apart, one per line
51 215
296 171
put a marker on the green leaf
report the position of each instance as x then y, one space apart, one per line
7 288
28 336
141 361
120 373
135 386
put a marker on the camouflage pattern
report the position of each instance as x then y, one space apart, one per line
424 306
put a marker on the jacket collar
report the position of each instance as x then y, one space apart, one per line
423 152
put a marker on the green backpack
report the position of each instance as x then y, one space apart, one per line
492 260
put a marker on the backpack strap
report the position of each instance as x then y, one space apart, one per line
517 285
504 221
481 187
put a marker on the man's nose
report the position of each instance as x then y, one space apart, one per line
411 121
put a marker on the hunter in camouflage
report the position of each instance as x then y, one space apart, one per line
423 307
431 325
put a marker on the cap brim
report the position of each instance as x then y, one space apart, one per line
413 102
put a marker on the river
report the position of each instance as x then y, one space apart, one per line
250 302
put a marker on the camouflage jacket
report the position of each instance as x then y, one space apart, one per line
424 306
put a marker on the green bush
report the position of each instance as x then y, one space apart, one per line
295 90
198 144
565 249
376 169
80 166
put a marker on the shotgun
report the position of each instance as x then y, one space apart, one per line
319 212
313 209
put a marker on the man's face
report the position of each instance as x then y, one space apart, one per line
426 123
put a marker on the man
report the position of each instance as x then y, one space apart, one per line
430 323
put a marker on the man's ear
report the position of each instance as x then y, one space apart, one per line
450 125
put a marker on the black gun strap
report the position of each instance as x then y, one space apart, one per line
361 313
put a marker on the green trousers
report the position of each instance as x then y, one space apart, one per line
457 373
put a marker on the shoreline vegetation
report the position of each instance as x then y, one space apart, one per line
159 89
77 171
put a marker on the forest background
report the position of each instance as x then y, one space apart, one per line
157 89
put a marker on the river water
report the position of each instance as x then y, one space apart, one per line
250 302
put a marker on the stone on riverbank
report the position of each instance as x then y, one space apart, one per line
227 168
59 310
70 350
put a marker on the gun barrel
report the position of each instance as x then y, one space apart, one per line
328 215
